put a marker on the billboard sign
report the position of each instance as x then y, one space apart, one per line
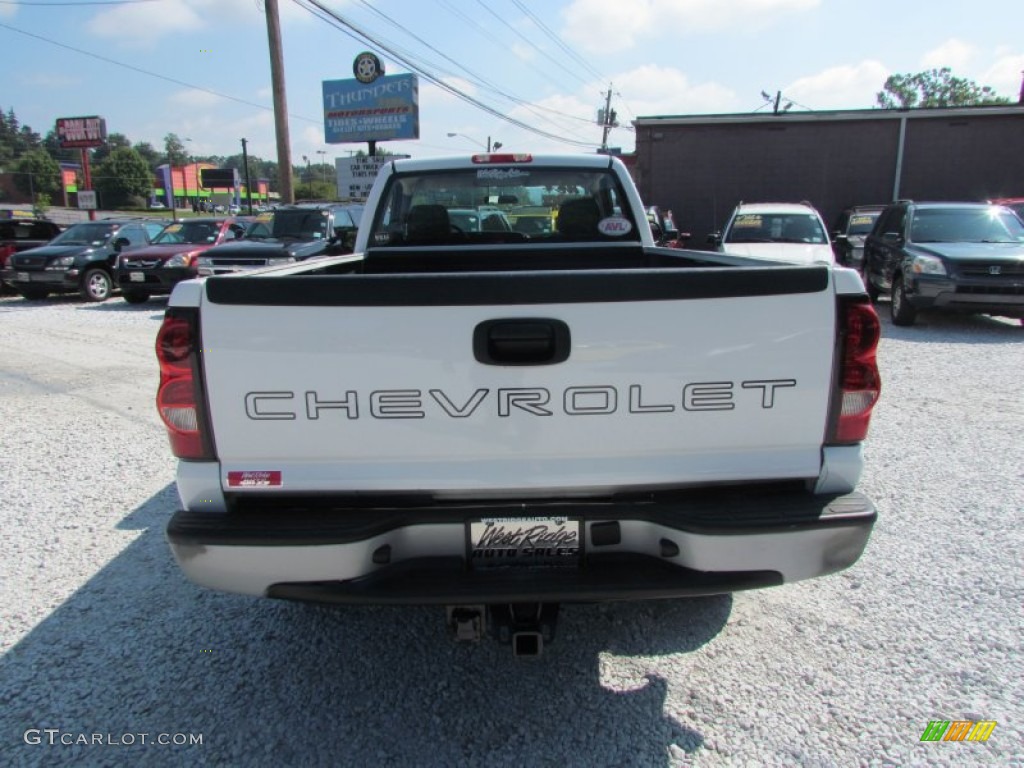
357 174
219 178
87 200
386 109
81 132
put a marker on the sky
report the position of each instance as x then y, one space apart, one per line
201 68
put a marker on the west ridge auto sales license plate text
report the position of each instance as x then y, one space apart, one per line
524 541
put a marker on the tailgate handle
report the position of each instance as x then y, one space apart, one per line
521 341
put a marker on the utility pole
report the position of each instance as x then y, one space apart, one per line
248 186
323 164
284 152
607 119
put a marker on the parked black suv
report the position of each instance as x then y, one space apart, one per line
82 258
297 233
848 235
967 257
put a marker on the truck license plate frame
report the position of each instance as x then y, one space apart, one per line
524 541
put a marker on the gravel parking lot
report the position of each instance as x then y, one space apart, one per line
104 640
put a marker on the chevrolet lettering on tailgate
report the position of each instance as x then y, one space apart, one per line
539 401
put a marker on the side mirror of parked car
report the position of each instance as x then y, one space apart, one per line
838 237
715 238
345 237
121 242
892 237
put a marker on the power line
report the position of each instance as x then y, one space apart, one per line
151 74
557 40
360 35
527 40
479 81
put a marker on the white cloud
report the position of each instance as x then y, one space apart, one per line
654 90
8 11
523 52
135 25
955 54
606 25
431 94
307 141
1005 75
50 80
194 98
843 87
140 25
643 91
612 25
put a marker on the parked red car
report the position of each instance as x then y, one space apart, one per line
171 257
21 234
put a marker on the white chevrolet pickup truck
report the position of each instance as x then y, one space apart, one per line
498 420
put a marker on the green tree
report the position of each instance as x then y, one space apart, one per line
935 88
316 189
174 150
36 173
123 179
15 139
114 141
149 154
52 145
41 205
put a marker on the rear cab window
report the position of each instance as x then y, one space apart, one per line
504 204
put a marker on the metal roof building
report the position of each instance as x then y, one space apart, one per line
701 166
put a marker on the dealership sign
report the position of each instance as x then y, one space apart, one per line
385 109
87 200
81 132
357 174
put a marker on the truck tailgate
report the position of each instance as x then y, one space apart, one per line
441 383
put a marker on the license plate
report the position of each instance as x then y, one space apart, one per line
137 277
23 277
524 541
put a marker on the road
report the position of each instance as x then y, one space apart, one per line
104 641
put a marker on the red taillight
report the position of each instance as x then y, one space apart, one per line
179 399
859 381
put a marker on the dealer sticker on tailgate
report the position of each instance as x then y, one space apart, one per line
251 478
524 541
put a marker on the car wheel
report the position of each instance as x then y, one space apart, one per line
96 285
136 297
903 312
33 294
